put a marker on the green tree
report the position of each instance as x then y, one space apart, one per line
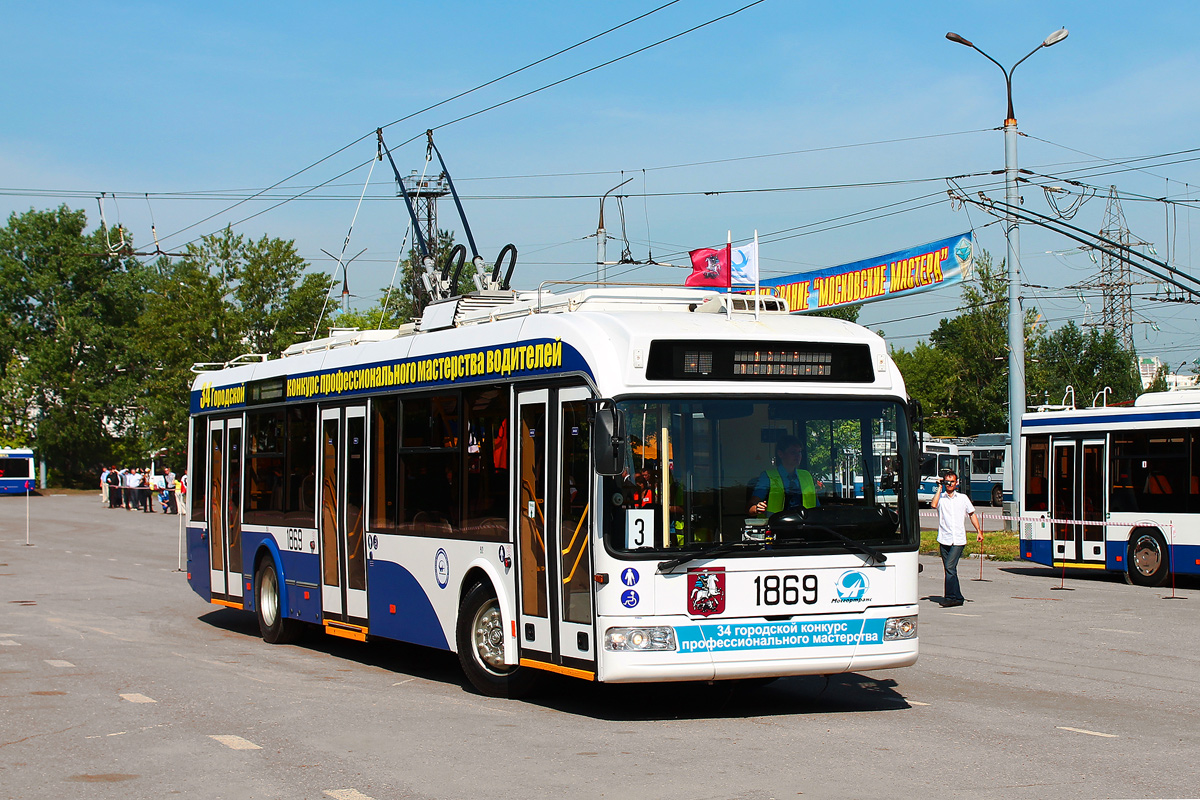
227 296
932 377
969 370
1088 362
68 306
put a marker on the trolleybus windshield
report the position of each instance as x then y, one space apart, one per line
695 469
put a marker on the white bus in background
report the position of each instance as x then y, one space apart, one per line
16 470
939 456
561 482
990 481
1135 471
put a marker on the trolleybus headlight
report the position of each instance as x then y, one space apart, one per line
658 638
900 628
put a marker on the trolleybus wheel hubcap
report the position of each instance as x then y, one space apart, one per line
489 637
1146 555
268 597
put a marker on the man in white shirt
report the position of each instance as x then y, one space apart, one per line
952 534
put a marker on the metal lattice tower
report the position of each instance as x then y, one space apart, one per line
425 192
1116 280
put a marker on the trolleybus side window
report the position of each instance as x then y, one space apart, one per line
430 468
427 479
265 468
1037 465
196 478
486 445
385 435
301 504
1150 471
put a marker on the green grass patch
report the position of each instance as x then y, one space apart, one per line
997 545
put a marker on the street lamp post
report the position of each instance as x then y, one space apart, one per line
1016 321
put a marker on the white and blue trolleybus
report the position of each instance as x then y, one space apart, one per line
561 482
16 470
1115 488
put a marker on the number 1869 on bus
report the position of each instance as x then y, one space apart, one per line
788 590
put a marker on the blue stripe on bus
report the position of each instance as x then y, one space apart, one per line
305 568
1093 420
1184 558
197 563
1038 551
415 620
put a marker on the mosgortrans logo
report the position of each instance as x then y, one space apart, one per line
852 587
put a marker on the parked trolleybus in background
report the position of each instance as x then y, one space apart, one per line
561 483
939 456
1136 468
16 470
990 482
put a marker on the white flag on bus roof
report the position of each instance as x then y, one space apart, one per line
743 262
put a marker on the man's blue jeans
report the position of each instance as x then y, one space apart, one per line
950 555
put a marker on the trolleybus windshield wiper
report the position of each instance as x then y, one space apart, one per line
871 553
708 552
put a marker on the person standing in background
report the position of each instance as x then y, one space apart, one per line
952 535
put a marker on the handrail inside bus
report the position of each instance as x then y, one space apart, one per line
578 528
583 548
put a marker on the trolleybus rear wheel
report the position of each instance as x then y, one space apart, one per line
273 624
1147 562
997 495
481 638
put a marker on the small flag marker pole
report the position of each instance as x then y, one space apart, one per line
27 485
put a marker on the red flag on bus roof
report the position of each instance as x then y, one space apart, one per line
710 267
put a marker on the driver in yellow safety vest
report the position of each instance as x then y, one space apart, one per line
786 485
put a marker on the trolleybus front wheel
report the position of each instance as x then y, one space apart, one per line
273 623
481 638
997 496
1147 562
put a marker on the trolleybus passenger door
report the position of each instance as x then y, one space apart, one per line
1093 500
1064 506
570 536
531 481
225 508
343 506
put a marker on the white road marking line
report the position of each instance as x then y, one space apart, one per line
915 703
347 794
134 697
112 559
9 643
236 742
960 614
401 683
1118 630
54 662
1089 733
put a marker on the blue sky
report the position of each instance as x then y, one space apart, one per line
172 100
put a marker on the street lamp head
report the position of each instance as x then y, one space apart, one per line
954 37
1053 38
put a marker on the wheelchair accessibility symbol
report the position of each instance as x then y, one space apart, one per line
629 599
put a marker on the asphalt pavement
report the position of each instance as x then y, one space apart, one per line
116 681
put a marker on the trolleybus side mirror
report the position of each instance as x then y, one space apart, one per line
608 440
